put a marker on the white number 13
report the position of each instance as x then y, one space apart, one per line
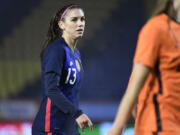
71 81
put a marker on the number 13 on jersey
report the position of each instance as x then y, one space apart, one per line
71 76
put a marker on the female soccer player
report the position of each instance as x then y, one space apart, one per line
155 78
61 76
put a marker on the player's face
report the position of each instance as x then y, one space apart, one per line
73 23
176 4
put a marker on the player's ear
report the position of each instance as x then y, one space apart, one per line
61 25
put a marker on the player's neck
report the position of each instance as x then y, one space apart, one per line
70 42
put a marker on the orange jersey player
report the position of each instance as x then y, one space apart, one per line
155 79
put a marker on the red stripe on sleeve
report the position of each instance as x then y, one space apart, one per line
47 116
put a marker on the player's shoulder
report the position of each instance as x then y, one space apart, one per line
56 47
57 44
158 22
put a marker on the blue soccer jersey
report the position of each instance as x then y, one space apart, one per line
61 76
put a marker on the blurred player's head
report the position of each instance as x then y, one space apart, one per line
170 7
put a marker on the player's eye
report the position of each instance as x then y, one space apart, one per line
74 19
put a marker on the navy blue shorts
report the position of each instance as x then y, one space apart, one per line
70 127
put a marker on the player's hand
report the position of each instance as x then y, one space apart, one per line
83 122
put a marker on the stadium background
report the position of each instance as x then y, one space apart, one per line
107 50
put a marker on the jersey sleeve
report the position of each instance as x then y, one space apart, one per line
148 45
54 59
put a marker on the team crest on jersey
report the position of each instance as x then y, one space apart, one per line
71 63
78 65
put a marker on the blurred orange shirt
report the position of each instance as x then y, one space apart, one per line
159 110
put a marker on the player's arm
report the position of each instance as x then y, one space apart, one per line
57 97
139 74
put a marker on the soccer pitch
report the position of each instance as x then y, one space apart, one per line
96 131
101 129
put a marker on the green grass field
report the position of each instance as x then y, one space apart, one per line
89 132
96 131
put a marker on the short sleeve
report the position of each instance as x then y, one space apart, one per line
148 44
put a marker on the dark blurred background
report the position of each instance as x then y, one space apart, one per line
107 50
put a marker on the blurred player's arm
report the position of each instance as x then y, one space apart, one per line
138 76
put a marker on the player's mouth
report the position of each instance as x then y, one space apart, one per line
80 30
